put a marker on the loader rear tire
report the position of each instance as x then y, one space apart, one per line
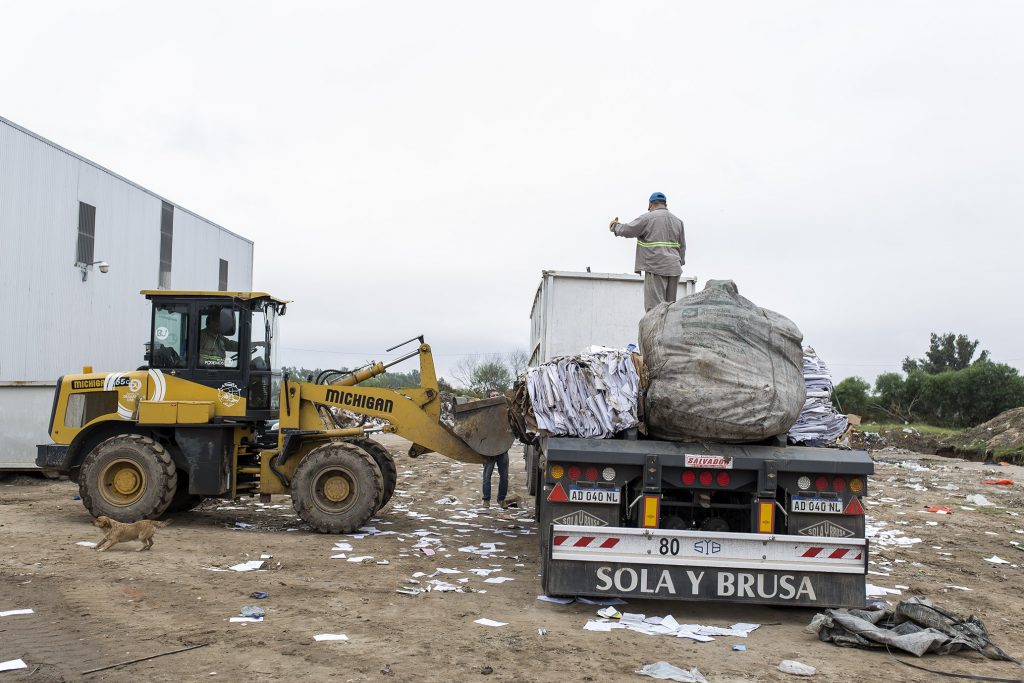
337 488
128 478
385 462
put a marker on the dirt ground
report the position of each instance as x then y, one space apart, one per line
93 609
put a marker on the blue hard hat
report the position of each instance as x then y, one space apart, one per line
657 197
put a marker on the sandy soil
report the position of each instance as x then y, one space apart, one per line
93 609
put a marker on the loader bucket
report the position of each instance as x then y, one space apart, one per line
483 425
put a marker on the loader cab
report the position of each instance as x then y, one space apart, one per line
224 340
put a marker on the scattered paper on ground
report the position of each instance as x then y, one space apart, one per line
664 671
12 664
490 622
12 612
330 636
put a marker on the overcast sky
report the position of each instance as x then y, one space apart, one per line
408 168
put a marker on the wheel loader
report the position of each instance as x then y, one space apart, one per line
210 414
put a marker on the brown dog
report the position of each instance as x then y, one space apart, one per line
119 532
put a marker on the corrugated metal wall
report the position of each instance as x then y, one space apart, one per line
51 321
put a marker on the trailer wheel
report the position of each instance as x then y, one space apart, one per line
127 478
337 488
385 463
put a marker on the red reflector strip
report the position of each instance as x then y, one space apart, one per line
837 554
585 541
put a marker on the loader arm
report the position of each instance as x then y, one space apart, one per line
413 413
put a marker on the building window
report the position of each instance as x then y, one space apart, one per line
166 244
86 233
223 281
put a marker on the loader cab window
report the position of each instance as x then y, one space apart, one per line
263 347
218 337
170 336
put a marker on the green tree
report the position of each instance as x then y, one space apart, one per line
491 376
946 352
851 396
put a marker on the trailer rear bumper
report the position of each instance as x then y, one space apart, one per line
694 565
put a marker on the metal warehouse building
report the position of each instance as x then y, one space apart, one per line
64 220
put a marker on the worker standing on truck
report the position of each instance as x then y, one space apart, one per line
660 249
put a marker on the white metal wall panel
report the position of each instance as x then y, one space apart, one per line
575 310
55 322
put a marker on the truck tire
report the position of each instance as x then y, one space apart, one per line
183 501
385 462
128 478
337 488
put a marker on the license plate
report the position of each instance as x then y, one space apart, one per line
822 506
604 496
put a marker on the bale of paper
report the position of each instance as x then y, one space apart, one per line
591 395
819 422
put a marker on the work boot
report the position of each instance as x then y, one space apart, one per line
487 503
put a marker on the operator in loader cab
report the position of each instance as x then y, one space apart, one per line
213 345
660 249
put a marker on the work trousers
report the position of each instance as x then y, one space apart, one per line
658 288
502 462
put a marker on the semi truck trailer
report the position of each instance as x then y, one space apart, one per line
637 517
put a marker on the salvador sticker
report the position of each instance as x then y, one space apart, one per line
229 394
719 462
579 518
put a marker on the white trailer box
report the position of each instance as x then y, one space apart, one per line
572 311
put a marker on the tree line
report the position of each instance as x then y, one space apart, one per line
951 386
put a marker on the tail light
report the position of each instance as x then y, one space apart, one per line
689 477
557 471
723 479
706 478
574 472
856 485
821 484
608 474
839 484
591 474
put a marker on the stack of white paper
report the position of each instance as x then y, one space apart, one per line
590 395
819 421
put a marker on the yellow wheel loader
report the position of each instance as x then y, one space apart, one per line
211 415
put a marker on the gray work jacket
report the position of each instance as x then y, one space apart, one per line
660 242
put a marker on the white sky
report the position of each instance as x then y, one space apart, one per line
409 168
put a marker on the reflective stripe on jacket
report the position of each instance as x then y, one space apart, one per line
660 244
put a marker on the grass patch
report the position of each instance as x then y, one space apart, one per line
919 427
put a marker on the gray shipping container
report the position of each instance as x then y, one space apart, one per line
572 311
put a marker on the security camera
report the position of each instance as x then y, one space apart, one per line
104 266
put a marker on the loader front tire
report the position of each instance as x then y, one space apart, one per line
128 478
385 462
336 488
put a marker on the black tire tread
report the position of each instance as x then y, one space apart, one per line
168 479
386 462
327 523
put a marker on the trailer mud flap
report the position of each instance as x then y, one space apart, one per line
697 565
812 589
